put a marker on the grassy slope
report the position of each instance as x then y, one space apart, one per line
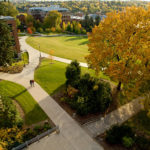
66 47
52 76
33 112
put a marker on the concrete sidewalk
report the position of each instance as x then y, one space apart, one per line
118 116
72 136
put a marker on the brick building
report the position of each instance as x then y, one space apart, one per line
12 24
39 13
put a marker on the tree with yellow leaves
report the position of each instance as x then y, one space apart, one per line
120 46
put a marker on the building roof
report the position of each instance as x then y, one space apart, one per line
6 18
77 17
51 8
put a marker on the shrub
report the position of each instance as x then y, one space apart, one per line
58 29
127 142
83 31
33 29
11 137
71 91
82 106
40 30
97 93
73 72
142 143
117 132
12 69
29 30
53 29
8 114
47 30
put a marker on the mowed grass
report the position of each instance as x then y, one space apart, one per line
73 47
52 76
33 112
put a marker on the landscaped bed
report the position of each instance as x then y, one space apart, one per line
17 65
140 125
33 112
51 76
21 117
72 47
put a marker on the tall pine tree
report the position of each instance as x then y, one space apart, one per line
6 45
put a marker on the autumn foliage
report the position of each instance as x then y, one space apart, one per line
29 30
120 46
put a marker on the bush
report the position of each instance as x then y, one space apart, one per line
127 142
71 91
83 31
58 29
33 29
96 92
53 29
86 94
40 30
116 133
8 114
142 143
47 30
82 106
12 69
73 72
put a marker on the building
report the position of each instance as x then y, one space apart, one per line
76 18
12 24
40 12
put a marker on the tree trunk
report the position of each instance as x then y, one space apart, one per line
119 86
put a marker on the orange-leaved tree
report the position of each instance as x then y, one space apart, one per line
120 46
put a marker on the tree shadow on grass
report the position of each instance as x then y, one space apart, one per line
61 87
18 94
35 115
75 38
84 43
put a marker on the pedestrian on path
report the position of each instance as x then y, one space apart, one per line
31 83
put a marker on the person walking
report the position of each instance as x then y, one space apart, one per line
31 83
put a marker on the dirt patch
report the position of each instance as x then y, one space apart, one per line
20 110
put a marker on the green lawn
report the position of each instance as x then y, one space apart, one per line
33 112
52 76
140 122
74 47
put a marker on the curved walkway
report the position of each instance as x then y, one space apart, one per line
72 136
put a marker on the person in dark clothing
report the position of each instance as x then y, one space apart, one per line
31 83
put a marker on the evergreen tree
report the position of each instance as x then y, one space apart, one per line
6 45
97 20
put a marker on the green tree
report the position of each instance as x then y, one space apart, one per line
63 26
8 9
29 20
53 19
8 114
97 20
6 49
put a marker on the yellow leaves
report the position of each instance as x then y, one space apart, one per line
121 44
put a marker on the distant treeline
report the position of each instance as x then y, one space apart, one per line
85 6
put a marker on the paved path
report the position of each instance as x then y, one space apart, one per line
72 136
118 116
